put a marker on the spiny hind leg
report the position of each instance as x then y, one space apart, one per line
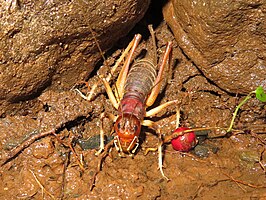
115 98
121 80
158 81
154 46
154 126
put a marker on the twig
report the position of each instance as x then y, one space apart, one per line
28 142
257 137
80 161
168 138
69 145
197 191
260 160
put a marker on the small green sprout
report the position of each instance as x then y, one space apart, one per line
260 95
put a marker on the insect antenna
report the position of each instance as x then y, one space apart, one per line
97 43
95 39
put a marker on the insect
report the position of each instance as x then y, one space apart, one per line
136 89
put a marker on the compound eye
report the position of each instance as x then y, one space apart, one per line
118 125
135 128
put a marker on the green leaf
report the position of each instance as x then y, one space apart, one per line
260 94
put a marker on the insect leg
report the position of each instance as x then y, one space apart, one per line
103 115
108 78
159 108
158 82
113 99
154 47
117 144
135 140
154 126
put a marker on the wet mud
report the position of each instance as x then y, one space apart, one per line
61 163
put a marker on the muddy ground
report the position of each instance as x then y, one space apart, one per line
62 164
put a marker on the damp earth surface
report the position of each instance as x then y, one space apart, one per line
61 163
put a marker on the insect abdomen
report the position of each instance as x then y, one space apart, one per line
140 80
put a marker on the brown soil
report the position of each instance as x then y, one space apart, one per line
62 164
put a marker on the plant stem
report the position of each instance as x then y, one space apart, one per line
237 108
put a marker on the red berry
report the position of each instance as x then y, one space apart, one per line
184 142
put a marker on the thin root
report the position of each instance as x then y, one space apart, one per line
66 162
41 186
243 182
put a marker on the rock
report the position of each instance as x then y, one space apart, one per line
224 39
49 44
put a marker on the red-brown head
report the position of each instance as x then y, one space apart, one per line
127 128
